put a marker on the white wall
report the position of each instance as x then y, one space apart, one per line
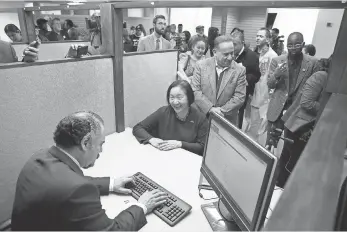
291 20
324 37
191 17
6 18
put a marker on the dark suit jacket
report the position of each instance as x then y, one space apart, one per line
305 108
250 60
7 53
53 194
281 88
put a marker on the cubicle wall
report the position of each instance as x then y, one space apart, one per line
146 79
34 98
49 51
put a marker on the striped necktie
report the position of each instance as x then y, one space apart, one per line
157 44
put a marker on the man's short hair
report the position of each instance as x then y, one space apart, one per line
310 49
173 25
187 89
298 34
73 128
237 35
11 28
267 32
276 30
158 17
180 25
56 19
237 29
222 39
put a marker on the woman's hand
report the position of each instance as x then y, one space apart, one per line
170 145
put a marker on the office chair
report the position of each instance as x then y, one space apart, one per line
341 212
6 225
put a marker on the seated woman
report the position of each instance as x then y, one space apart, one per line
187 61
178 125
13 32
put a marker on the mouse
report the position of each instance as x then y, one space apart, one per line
129 185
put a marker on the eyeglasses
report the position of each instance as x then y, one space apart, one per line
290 46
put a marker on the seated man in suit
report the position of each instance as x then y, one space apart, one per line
155 41
53 194
287 76
8 54
219 83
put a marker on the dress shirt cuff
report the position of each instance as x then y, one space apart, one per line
111 186
140 205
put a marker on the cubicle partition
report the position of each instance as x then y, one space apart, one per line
35 97
146 79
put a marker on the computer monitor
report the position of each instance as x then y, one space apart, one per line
240 171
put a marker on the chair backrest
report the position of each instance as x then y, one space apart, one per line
6 225
341 213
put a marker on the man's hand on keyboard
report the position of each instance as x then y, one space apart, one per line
152 199
155 142
170 145
119 183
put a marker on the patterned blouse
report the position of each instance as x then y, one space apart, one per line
188 62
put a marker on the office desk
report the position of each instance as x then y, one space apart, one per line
178 171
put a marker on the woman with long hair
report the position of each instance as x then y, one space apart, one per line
143 30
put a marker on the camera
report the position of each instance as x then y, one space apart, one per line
91 24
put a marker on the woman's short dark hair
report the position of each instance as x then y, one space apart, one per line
310 49
69 22
185 86
213 33
197 39
325 63
11 28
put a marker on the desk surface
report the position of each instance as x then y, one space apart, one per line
178 171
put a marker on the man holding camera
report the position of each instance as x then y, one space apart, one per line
277 43
287 75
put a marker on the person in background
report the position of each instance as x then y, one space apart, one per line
175 36
187 61
213 33
219 83
199 33
8 54
151 30
42 24
155 41
142 30
257 127
178 125
237 29
184 42
276 42
56 33
66 26
250 61
301 115
287 75
95 37
49 22
180 29
13 32
309 49
52 193
127 43
168 37
135 38
132 30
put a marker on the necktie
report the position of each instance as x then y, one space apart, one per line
157 44
219 80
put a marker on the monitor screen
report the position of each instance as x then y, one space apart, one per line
239 169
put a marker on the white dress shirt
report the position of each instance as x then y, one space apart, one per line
220 69
111 186
243 48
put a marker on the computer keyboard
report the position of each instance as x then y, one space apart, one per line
172 211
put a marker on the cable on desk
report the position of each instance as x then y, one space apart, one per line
220 212
200 194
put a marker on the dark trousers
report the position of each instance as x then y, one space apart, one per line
241 112
290 155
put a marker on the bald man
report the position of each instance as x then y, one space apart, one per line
287 75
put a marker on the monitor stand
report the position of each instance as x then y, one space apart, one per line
216 221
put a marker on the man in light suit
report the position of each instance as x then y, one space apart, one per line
287 75
155 41
53 194
219 83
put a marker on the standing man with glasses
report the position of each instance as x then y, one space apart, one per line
287 75
219 83
155 41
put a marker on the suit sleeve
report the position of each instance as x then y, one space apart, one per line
253 71
141 46
310 94
14 55
147 129
102 183
239 96
83 211
271 80
200 99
